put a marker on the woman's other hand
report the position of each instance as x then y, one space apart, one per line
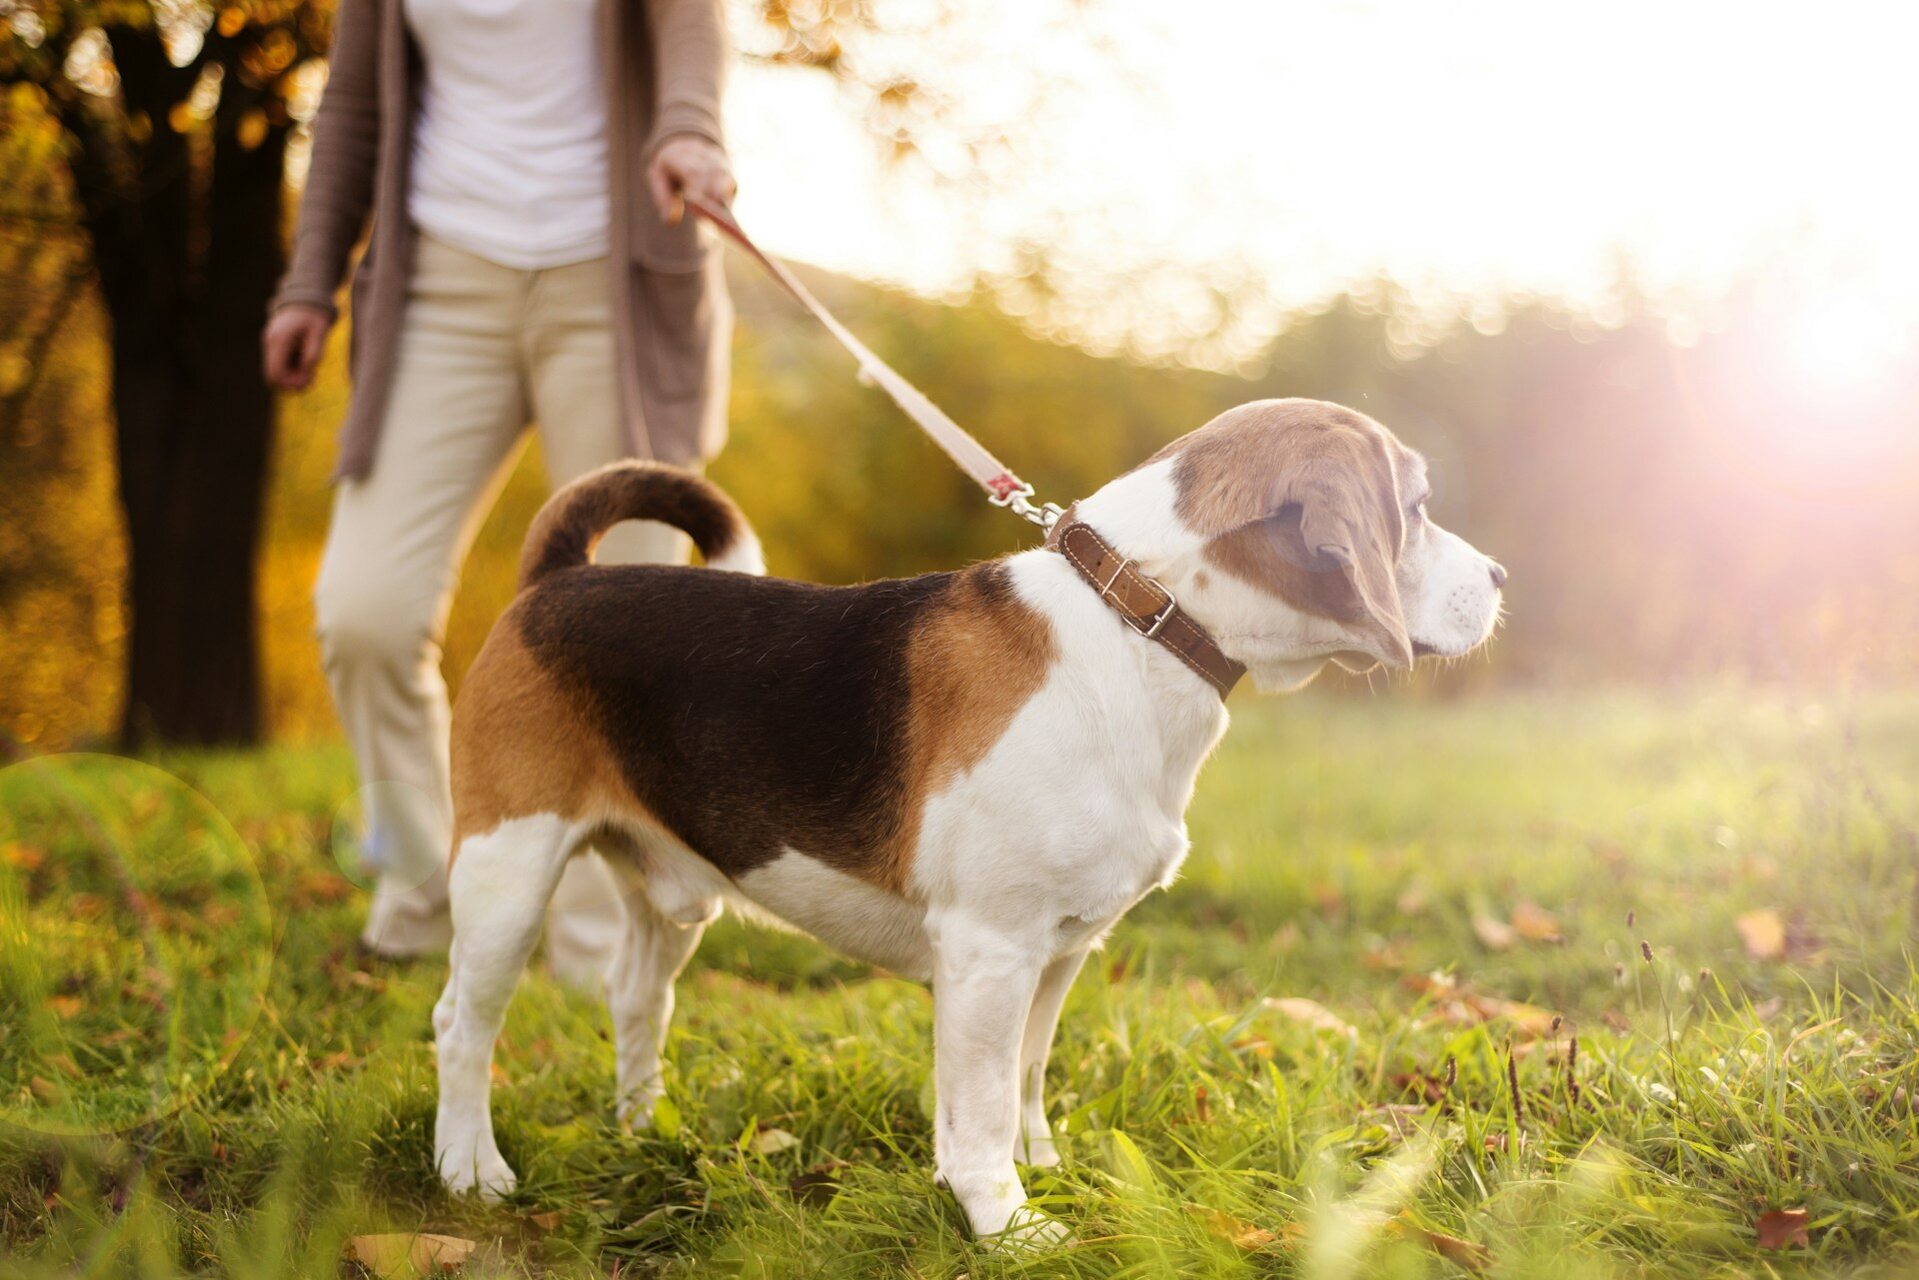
291 346
686 163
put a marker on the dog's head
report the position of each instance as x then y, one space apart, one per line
1297 531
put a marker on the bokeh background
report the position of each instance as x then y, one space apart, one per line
1641 281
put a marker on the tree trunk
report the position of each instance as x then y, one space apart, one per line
187 260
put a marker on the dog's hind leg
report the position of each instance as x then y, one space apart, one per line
639 984
1036 1144
499 888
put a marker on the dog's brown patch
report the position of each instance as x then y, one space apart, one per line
972 662
1302 499
521 745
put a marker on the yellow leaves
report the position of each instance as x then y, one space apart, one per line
1241 1234
1762 933
67 1007
22 857
1782 1229
1535 924
231 20
397 1255
1529 922
1309 1013
768 1142
1494 934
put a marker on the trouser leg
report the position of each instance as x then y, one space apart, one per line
457 408
567 347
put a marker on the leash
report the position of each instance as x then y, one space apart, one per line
1142 603
1003 487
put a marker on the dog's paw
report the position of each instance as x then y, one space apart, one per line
485 1172
1029 1230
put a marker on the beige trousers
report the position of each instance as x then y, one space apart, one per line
483 349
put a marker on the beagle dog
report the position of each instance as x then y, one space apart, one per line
965 777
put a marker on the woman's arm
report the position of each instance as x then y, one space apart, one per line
346 141
689 60
687 149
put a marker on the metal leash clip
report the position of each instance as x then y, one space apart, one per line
1019 502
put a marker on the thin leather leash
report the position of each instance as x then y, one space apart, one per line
1003 488
1144 604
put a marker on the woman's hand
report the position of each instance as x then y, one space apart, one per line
686 163
291 346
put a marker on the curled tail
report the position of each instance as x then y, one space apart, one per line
571 522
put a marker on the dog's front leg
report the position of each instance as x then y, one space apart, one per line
983 986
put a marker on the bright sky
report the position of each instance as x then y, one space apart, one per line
1286 149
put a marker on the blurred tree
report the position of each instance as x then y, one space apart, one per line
175 124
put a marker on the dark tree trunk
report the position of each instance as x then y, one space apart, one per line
188 256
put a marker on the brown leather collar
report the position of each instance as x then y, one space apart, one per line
1143 604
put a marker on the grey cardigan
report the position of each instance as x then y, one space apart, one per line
671 316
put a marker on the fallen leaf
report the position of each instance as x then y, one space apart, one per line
1388 957
1528 1019
46 1090
1436 983
400 1254
66 1006
1464 1253
1782 1229
1535 924
769 1142
24 857
1309 1012
817 1185
548 1220
1239 1234
1763 934
1494 935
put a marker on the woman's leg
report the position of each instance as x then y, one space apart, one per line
567 347
458 406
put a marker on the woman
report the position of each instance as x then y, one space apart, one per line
522 163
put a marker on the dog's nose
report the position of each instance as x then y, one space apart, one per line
1498 571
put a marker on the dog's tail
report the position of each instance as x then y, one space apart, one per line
564 533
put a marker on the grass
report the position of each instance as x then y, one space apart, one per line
198 1075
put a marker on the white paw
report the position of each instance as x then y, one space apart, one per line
464 1169
1029 1229
635 1110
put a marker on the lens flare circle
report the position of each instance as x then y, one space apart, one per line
136 943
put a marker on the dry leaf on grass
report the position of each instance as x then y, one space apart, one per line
547 1221
1494 935
818 1185
401 1254
1535 924
1241 1234
1782 1229
1310 1013
1475 1258
768 1142
1763 934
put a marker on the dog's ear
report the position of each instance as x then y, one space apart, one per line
1349 523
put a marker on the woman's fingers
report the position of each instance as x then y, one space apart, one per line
689 164
291 347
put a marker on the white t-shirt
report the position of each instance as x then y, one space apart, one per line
509 141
